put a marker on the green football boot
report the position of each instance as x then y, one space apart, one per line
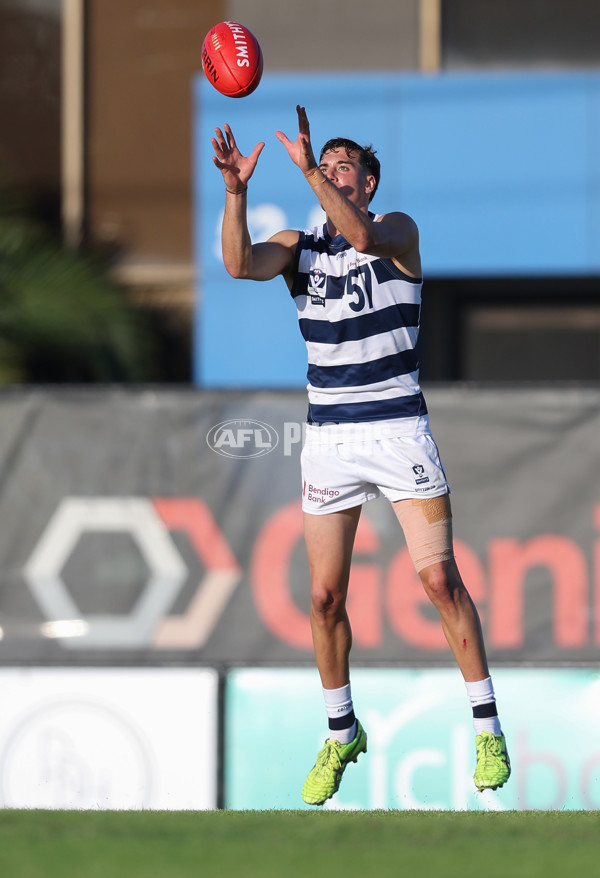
324 779
493 764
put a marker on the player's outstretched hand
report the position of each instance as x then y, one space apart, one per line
235 167
300 150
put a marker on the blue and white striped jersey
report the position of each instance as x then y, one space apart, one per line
359 316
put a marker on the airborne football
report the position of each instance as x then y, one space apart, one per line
232 59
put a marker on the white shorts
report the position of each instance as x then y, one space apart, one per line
345 465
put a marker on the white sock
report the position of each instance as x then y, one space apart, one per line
340 712
483 702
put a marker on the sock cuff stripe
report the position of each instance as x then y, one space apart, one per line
482 711
342 722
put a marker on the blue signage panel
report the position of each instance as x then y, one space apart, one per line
501 172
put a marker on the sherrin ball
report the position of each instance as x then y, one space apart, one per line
232 59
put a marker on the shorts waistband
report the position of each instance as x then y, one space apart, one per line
366 431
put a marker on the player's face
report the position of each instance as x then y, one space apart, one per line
345 172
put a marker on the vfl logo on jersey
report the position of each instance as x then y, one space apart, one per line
317 286
419 471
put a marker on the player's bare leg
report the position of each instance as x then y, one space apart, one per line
329 540
427 526
460 622
459 617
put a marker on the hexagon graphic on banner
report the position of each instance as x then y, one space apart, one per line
222 573
132 515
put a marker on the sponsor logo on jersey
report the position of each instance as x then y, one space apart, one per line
317 286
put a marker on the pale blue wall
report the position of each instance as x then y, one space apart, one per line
501 173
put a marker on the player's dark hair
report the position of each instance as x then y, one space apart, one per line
365 154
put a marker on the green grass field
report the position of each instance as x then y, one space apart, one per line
287 844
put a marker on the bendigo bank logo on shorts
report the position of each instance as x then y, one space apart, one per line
242 438
318 495
419 471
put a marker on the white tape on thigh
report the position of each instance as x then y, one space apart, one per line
427 526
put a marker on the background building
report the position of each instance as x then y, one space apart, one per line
98 95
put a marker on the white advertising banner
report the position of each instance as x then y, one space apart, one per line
91 738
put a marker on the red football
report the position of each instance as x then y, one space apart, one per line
232 59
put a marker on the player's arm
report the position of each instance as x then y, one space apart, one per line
262 261
243 259
394 235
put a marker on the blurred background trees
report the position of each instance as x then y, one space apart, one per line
62 317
